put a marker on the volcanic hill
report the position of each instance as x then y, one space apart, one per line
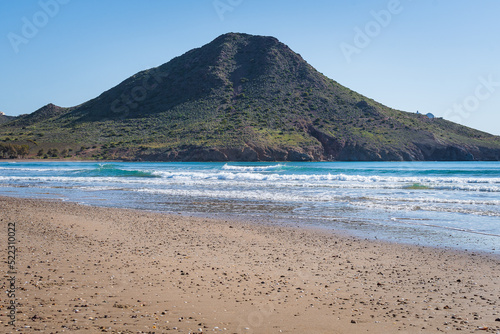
241 98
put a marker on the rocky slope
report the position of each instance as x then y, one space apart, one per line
4 118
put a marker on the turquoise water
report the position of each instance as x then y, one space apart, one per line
446 204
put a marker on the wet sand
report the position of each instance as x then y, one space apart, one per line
88 270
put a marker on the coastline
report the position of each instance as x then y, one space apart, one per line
85 268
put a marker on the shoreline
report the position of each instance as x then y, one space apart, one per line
321 229
273 222
125 270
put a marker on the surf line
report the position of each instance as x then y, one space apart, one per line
446 228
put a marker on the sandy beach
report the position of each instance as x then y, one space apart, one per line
89 269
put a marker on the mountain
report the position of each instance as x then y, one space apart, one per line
243 98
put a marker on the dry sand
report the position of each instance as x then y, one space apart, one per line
89 270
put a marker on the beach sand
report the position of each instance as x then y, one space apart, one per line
89 269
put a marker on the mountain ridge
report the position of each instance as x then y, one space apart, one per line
244 98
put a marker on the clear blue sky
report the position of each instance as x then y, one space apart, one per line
429 55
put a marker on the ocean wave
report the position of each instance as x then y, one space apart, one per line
429 208
453 228
252 168
101 170
434 200
227 175
235 195
339 180
109 170
27 169
112 174
459 197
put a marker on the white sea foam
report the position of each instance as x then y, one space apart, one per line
235 194
322 177
38 169
286 180
252 168
423 207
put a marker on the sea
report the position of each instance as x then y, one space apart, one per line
441 204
